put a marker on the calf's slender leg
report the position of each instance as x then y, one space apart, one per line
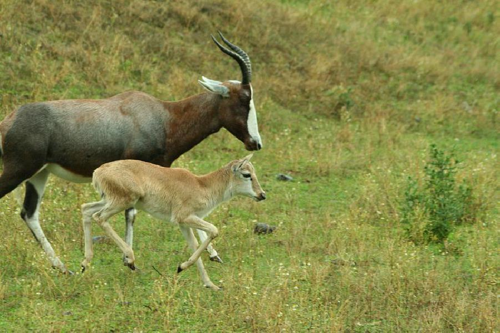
197 223
193 244
214 256
129 229
102 218
129 236
88 210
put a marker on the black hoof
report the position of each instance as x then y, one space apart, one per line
179 269
83 269
131 266
216 259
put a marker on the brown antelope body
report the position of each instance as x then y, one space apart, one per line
71 138
170 194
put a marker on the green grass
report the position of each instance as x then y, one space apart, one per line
349 98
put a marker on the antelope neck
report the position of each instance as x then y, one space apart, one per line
190 122
218 185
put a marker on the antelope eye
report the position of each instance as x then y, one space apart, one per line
247 175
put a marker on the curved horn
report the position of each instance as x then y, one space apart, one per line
238 50
239 55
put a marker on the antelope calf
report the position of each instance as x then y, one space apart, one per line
171 194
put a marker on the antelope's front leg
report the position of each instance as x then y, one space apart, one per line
195 222
193 244
35 188
214 256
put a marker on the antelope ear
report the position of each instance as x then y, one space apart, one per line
247 158
214 86
242 162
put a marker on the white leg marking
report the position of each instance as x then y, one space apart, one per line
38 181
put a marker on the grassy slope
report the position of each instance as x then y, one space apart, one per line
349 98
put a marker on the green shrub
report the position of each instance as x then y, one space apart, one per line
431 211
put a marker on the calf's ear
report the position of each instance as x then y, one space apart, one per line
240 163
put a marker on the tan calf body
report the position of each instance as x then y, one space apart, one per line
170 194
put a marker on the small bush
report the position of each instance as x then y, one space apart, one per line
430 212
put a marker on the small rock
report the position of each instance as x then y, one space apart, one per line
263 228
67 313
284 178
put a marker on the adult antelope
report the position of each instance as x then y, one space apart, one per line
72 138
170 194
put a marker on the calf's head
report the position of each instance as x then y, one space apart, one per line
244 179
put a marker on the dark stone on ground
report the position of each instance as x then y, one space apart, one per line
263 228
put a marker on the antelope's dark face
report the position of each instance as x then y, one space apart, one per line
239 116
237 112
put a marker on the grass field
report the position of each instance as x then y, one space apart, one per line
350 96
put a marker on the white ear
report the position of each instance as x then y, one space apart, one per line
214 86
210 80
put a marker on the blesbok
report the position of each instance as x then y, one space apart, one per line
170 194
72 138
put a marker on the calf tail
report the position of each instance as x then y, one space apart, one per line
97 186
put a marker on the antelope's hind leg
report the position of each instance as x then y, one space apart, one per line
35 187
88 210
129 229
102 217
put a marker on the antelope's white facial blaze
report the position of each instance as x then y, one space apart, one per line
253 128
